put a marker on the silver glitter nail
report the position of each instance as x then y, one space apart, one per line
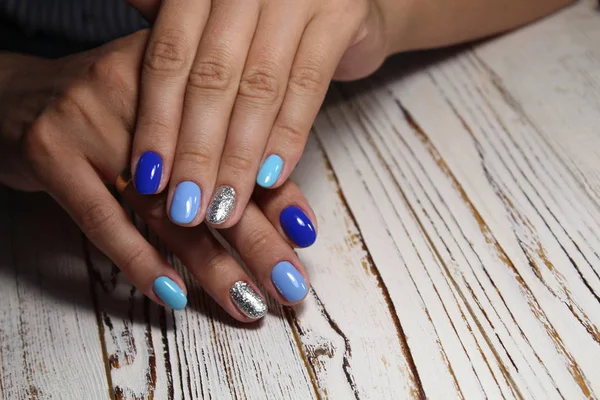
221 205
247 300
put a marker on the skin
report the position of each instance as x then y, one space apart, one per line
60 120
227 83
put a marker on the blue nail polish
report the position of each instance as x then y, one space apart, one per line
269 171
186 201
297 226
289 281
148 173
170 293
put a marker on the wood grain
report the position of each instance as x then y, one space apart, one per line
458 199
48 336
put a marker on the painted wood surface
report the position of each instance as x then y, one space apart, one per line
458 198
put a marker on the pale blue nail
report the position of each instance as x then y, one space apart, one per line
289 281
170 293
269 171
186 201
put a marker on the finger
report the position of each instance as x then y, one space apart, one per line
289 212
258 100
210 264
315 63
80 191
210 94
270 259
171 49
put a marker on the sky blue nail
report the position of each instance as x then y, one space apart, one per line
148 173
269 171
289 281
170 293
297 226
186 201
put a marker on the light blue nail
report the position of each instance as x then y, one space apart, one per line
170 293
289 281
186 201
270 170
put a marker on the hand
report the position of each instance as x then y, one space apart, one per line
66 130
230 85
258 240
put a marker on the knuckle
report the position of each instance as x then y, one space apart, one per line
214 259
257 242
307 79
157 127
196 156
260 84
211 74
167 53
135 258
293 136
240 161
110 70
97 218
45 143
39 142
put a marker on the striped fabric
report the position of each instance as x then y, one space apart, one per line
78 20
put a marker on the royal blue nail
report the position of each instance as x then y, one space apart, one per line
186 201
148 173
170 293
297 226
269 171
289 281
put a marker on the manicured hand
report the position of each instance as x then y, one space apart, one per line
230 89
66 130
256 238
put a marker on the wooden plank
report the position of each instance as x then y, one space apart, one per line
49 345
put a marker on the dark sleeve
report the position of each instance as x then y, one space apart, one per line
39 26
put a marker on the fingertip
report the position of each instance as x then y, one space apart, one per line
270 171
220 213
248 301
290 283
148 173
171 293
297 226
185 204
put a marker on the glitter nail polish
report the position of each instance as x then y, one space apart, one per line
221 205
247 300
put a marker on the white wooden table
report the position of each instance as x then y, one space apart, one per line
458 197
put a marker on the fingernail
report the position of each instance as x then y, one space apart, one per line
297 226
269 171
250 303
186 201
221 205
170 293
289 281
148 173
